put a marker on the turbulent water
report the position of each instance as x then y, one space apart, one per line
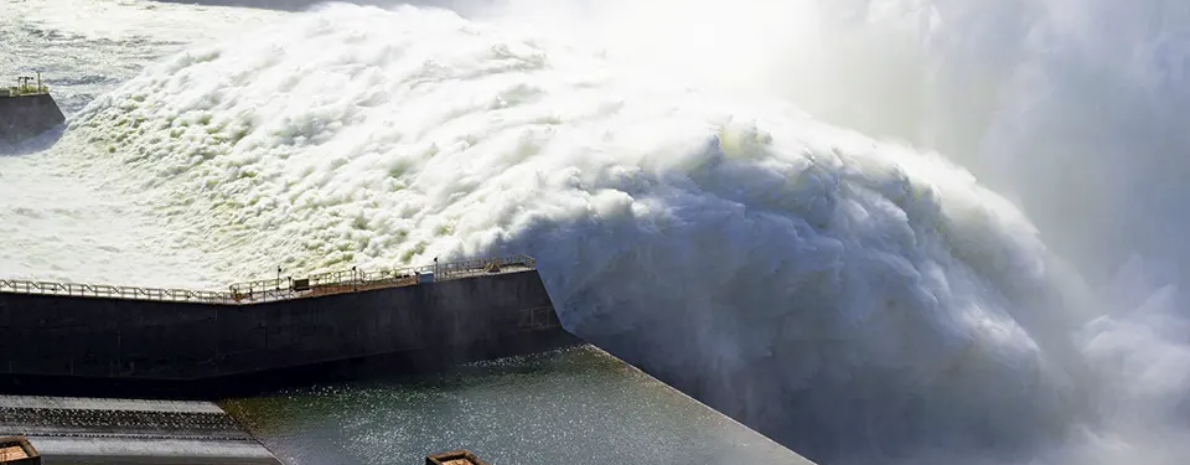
745 197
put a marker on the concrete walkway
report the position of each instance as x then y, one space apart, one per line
86 431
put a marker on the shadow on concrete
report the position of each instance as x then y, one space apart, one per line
35 144
301 5
394 366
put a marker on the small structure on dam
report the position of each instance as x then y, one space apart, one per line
454 457
27 110
443 313
16 450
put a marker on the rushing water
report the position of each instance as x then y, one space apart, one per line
857 298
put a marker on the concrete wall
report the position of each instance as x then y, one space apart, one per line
110 338
27 116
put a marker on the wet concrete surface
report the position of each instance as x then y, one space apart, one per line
124 431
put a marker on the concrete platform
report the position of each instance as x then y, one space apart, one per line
86 431
26 116
119 333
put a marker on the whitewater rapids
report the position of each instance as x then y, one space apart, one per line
415 134
859 300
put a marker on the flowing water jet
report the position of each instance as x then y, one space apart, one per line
859 296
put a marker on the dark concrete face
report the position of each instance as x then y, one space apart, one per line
47 335
27 116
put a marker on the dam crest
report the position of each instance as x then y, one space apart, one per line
448 313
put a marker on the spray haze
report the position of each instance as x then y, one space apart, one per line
729 194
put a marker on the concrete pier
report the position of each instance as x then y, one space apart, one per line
86 431
452 312
25 116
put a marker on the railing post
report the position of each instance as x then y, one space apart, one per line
239 292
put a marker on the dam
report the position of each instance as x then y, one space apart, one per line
443 313
98 374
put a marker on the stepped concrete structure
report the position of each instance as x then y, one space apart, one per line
92 431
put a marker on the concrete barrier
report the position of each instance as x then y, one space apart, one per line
113 338
26 116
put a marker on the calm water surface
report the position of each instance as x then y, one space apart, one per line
575 406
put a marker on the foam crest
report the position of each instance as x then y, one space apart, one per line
860 273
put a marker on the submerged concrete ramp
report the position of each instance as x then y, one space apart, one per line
88 431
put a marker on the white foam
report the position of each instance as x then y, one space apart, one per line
58 226
358 136
129 20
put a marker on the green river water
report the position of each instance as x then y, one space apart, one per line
575 406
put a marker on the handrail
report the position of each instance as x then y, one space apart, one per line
21 91
25 86
278 289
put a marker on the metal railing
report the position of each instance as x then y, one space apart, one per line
26 86
281 289
103 290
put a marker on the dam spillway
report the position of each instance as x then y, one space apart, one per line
450 312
